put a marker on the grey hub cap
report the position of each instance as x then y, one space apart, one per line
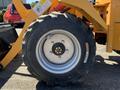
58 51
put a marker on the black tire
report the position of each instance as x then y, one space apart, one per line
65 22
90 41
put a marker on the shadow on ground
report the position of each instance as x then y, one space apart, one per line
10 70
104 76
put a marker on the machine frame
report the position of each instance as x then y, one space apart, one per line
82 6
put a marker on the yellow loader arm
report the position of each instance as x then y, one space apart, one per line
29 15
88 11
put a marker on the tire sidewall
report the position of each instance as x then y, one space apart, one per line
38 31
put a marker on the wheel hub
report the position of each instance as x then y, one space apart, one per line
58 49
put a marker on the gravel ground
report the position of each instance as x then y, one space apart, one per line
104 76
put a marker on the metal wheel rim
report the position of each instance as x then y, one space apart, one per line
58 68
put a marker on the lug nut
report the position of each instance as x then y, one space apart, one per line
51 52
63 41
67 49
52 41
59 56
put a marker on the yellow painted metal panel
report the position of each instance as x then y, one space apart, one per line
88 11
116 24
106 5
114 18
116 36
102 1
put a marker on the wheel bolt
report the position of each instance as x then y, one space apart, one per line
63 41
52 41
51 52
67 49
59 56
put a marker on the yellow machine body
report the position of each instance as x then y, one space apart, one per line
111 15
81 7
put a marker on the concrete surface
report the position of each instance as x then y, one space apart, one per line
16 77
104 76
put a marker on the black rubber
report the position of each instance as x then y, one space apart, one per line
1 67
117 51
101 38
70 24
92 50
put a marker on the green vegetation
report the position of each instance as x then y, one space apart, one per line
1 15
